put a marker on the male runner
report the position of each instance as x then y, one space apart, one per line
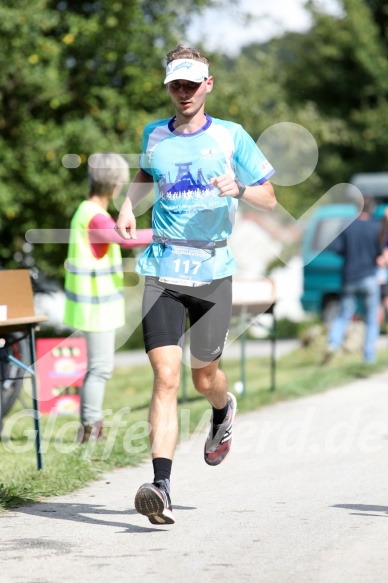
199 167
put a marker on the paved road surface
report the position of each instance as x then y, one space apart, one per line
303 498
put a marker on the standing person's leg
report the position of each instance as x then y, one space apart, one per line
371 292
100 352
347 309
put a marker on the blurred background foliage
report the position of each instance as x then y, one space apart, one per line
82 77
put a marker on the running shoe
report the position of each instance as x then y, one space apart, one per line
154 503
218 447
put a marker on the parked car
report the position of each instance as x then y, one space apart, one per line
322 267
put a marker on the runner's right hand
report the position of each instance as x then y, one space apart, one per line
126 223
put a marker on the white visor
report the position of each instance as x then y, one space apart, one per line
186 69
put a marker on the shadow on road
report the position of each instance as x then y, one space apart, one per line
82 513
364 509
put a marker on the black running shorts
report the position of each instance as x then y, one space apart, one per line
208 308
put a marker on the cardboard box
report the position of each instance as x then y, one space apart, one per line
16 293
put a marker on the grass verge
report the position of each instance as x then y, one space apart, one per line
69 466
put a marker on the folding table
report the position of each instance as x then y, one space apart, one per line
16 294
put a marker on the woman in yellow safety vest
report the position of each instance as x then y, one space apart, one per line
94 283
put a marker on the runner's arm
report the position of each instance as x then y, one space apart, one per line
258 196
126 223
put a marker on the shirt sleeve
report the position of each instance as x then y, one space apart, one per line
252 167
101 230
144 162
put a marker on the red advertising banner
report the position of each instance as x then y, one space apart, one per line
61 367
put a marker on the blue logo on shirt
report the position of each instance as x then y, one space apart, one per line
185 181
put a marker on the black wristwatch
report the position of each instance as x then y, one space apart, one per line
241 188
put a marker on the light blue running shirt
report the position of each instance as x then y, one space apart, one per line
186 206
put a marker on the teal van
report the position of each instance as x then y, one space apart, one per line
322 267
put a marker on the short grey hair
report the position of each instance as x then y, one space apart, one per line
106 170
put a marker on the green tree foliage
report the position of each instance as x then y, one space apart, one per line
332 80
339 72
250 90
81 77
76 77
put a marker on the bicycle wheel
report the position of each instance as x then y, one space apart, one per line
11 376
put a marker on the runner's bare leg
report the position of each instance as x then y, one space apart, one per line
210 381
163 415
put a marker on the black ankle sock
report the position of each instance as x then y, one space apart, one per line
218 417
220 414
162 469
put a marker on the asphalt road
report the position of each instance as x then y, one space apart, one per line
302 498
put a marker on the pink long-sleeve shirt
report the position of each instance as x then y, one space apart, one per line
102 233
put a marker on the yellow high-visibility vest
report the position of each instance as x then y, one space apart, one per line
93 287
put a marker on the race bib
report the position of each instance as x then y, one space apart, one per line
186 265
